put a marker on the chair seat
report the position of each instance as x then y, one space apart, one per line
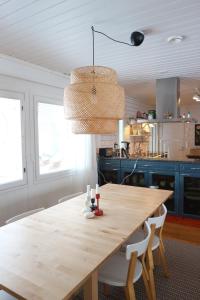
139 235
6 296
114 271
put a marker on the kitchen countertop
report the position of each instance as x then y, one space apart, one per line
186 160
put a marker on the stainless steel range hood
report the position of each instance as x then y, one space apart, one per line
168 101
167 98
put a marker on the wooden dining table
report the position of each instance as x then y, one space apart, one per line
52 254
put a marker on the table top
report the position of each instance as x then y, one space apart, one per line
50 254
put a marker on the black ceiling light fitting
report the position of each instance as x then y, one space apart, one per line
137 38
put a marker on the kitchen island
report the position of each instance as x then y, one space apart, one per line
180 176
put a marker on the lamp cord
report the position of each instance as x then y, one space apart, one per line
93 45
93 30
125 177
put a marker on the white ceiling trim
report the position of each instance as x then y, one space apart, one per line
11 66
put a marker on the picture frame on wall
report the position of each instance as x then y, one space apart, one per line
197 134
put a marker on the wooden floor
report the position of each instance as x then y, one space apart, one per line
182 230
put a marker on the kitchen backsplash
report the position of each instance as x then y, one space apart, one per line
132 105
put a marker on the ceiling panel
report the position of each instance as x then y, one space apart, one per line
56 34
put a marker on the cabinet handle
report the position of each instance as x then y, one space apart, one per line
107 163
115 169
146 165
195 168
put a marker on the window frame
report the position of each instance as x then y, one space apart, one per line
22 182
49 176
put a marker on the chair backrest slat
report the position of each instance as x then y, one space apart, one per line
159 221
141 246
23 215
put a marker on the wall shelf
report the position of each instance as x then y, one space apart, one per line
179 120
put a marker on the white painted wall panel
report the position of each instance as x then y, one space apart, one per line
36 194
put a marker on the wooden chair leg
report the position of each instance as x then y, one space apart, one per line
129 281
131 292
126 293
162 245
152 284
163 261
145 268
146 286
150 264
156 257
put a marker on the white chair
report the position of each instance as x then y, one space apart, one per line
124 269
157 240
69 197
23 215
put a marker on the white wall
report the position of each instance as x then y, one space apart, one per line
177 139
180 136
40 82
133 105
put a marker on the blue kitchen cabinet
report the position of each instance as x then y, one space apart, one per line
108 171
165 175
167 180
183 178
190 190
133 174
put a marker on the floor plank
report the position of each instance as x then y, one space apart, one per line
182 232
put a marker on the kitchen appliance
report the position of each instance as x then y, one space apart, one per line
105 152
125 149
168 98
194 153
116 150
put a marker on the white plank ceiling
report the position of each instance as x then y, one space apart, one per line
56 34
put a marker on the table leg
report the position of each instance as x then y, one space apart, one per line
91 287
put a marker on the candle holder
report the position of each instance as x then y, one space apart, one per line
93 206
98 211
93 195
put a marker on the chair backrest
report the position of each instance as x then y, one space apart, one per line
69 197
141 246
23 215
159 221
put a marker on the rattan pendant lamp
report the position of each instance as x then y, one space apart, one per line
93 101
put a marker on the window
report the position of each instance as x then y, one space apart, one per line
11 142
54 139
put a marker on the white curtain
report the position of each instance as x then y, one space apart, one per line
84 161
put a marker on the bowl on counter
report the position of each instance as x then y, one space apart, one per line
162 183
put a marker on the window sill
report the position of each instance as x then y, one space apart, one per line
52 176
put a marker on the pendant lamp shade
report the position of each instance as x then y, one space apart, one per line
93 100
99 126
